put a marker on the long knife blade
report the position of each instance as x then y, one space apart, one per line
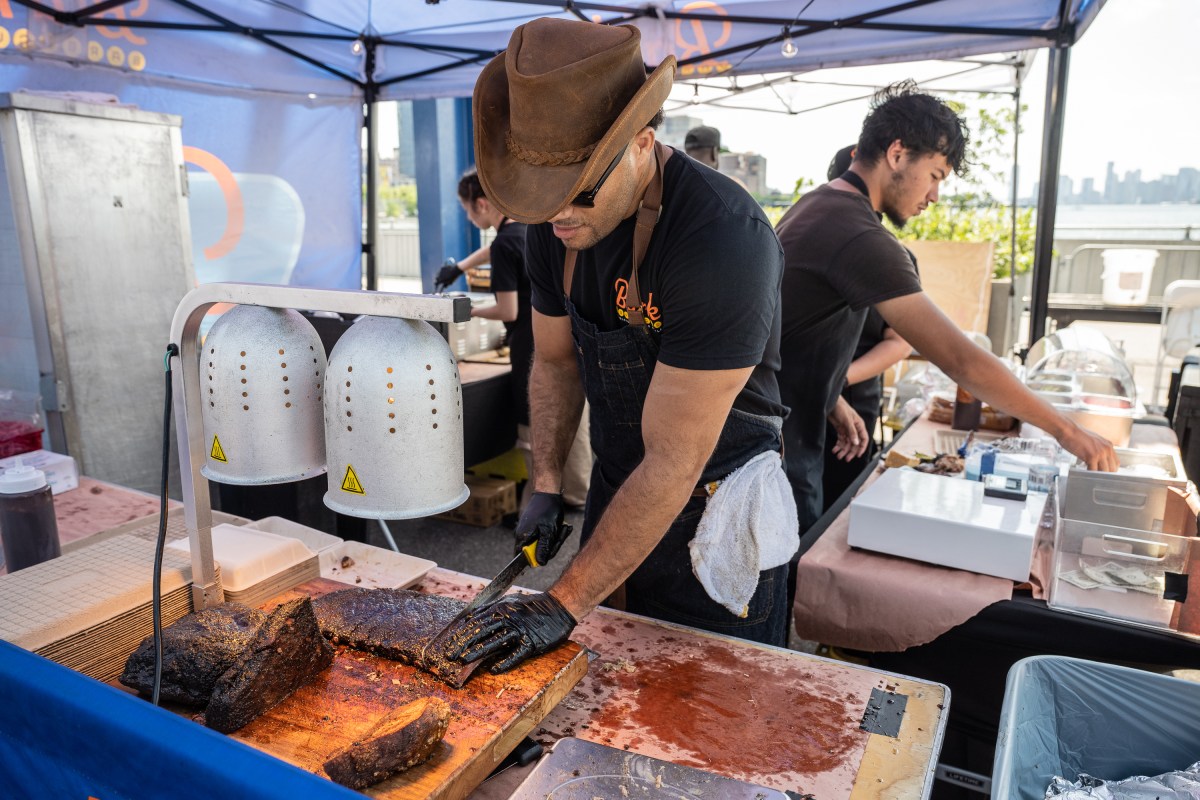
499 584
488 594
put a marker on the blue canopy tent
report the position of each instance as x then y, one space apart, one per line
270 88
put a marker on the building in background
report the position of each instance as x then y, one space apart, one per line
673 129
749 168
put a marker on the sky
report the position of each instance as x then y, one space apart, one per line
1133 98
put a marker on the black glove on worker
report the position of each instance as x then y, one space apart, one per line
446 276
543 520
513 629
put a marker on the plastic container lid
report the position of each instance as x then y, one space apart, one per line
21 478
249 557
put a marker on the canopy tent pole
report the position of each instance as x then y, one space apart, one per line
370 230
1052 136
444 148
1013 321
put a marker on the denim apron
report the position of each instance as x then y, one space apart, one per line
616 368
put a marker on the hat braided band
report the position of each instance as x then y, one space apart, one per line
541 158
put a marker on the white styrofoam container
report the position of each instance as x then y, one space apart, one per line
946 521
61 473
373 567
249 556
350 562
317 541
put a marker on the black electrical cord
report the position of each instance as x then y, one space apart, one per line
156 592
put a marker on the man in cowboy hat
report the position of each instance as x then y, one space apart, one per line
656 297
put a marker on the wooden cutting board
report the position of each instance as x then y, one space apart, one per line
490 715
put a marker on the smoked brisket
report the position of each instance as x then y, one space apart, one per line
394 623
288 652
404 738
197 650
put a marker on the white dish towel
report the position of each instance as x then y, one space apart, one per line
749 525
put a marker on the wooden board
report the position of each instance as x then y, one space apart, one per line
490 715
957 276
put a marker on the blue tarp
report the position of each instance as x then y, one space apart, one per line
64 735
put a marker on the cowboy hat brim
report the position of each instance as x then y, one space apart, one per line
532 194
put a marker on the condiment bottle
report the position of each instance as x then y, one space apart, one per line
28 527
968 410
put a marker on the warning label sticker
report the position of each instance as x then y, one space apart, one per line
217 453
351 483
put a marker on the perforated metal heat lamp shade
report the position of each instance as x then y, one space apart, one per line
185 330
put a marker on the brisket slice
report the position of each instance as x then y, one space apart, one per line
197 650
404 738
288 652
394 623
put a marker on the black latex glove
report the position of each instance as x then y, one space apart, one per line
543 520
446 276
512 629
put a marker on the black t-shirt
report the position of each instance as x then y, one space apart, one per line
507 256
710 280
840 260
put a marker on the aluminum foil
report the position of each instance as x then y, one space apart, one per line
1180 785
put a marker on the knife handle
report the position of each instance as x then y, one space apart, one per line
530 551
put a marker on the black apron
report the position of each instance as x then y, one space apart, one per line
616 368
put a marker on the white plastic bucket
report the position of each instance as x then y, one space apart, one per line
1127 276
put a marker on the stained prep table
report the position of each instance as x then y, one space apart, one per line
954 627
774 717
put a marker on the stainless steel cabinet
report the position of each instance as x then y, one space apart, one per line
95 254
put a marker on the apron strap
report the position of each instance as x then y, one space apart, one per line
647 217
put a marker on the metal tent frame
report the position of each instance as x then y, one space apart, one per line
1001 33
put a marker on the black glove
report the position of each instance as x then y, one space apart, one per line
542 520
513 628
446 276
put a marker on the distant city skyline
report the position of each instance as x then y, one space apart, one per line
1182 186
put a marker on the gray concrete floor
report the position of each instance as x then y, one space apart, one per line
483 552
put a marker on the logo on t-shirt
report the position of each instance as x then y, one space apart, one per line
650 312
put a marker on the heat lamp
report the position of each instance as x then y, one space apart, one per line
257 403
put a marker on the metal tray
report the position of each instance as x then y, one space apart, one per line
580 770
1132 460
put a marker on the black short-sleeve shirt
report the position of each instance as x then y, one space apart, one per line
710 280
507 257
840 261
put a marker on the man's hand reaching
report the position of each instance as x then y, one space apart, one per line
851 432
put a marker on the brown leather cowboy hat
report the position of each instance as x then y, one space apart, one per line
554 109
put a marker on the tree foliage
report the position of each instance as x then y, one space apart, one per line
398 201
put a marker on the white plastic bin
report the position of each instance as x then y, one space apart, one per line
1127 275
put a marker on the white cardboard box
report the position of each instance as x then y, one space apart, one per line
61 473
946 521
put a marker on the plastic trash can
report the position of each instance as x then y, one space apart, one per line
1063 716
1126 276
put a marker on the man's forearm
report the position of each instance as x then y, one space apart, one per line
555 405
632 525
987 378
875 361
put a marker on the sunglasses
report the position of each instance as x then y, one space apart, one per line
588 199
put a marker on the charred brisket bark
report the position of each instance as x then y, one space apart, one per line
395 624
197 650
406 737
288 652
